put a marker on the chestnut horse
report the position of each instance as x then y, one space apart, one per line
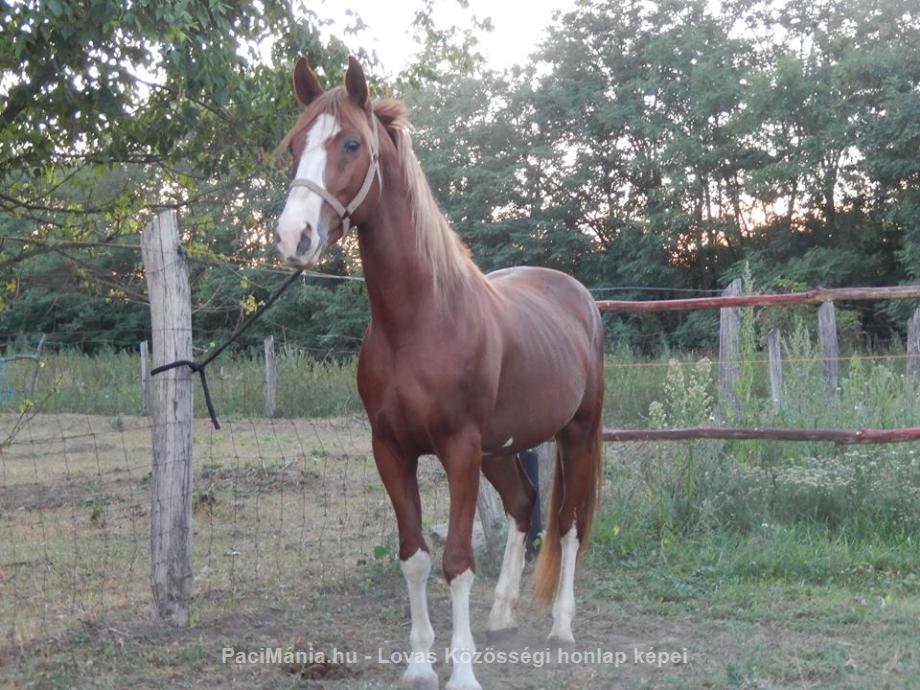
472 368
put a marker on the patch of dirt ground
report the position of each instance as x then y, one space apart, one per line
619 644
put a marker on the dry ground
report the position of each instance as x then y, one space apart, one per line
367 617
293 548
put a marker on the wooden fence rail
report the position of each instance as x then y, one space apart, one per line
838 436
817 296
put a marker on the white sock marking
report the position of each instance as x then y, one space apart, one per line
564 605
462 646
509 581
416 569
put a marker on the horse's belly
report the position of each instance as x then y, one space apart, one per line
552 362
531 410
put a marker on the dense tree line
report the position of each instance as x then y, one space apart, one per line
644 144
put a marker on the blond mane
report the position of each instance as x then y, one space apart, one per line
437 244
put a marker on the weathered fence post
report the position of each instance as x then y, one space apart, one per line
271 376
776 368
729 352
145 378
830 352
171 411
913 347
546 467
491 514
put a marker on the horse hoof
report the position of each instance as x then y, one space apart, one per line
420 681
564 641
465 685
501 634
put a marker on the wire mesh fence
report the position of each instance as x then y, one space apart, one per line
281 507
284 507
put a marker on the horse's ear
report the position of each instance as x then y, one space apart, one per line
392 115
355 83
306 85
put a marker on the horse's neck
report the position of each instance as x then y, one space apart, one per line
399 285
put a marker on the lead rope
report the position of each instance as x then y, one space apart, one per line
199 367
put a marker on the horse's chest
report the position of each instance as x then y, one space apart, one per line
416 394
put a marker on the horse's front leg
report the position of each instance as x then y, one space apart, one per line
461 455
398 473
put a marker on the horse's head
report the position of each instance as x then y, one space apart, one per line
335 147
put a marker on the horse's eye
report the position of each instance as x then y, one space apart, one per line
351 145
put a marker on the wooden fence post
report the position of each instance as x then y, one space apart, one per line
546 467
776 368
271 376
491 515
830 352
145 378
913 347
729 353
166 271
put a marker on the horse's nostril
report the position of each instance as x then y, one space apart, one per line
304 245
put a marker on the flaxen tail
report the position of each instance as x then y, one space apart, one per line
587 497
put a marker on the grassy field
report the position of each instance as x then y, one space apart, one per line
759 565
108 384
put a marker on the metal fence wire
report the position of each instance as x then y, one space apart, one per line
281 508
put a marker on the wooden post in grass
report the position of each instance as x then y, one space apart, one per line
729 353
171 412
913 347
546 467
776 368
145 378
491 515
830 352
271 376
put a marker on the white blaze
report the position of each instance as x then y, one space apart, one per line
303 207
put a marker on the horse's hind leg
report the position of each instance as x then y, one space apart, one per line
507 476
398 473
579 454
